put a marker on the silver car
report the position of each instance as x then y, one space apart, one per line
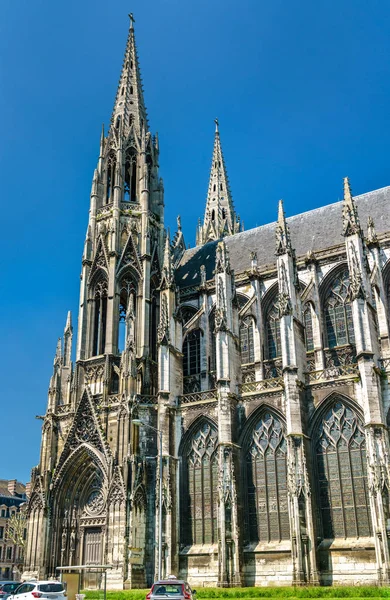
7 588
171 588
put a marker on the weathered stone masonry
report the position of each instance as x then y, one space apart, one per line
263 357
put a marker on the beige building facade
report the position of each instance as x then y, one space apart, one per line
13 503
262 356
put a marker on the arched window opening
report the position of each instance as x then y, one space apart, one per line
340 449
130 183
221 187
131 90
110 181
131 119
131 65
308 322
214 187
126 325
200 483
266 510
118 122
246 341
213 215
122 91
215 164
191 353
273 332
223 213
100 317
338 312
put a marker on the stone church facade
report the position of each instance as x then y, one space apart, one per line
262 356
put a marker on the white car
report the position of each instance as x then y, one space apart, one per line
29 590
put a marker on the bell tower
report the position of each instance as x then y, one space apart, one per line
125 236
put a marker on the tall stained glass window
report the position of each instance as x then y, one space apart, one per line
191 353
200 499
266 482
273 332
308 321
246 341
338 312
342 474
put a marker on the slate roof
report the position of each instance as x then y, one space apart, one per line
314 230
20 489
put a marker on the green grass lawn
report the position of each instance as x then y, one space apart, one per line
259 592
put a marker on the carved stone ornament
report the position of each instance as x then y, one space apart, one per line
222 262
95 503
356 285
163 327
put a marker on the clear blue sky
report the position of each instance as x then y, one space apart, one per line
302 92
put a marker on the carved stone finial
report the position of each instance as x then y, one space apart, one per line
253 256
216 125
202 276
132 20
282 232
222 262
351 224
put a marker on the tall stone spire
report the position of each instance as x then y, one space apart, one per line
220 218
129 107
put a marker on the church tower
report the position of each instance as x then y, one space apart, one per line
90 472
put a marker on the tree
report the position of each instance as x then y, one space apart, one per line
16 531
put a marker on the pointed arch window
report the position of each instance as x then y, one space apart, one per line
338 312
308 322
223 213
266 510
100 317
214 187
200 483
212 343
246 341
274 345
340 449
213 215
191 353
126 324
130 182
221 187
131 90
110 176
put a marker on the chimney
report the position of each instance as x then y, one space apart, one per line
28 489
12 487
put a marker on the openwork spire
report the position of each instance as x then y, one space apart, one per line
220 218
283 240
129 107
351 222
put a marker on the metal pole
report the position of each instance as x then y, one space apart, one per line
160 509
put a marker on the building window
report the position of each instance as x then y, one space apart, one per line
130 181
110 181
308 321
100 316
1 532
246 341
9 553
201 488
191 353
338 313
273 332
266 482
3 512
340 449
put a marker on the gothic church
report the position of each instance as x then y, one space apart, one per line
261 356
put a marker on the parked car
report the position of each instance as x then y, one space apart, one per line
29 590
171 588
7 588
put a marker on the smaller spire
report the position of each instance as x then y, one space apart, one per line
283 240
58 354
351 224
220 218
68 325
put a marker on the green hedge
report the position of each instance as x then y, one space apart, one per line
259 592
